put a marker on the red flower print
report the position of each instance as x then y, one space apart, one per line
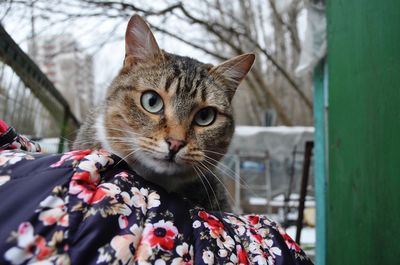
86 190
263 258
123 221
253 219
29 247
242 255
255 235
224 241
53 210
160 234
185 253
290 242
42 250
212 222
73 155
82 185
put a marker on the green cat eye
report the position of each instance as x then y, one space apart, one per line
152 102
205 116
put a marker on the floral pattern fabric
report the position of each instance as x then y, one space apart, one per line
88 207
10 139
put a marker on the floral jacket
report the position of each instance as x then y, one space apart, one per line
88 207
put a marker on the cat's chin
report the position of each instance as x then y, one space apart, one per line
166 173
164 166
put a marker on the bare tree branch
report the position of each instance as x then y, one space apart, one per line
277 105
293 33
132 7
194 45
230 28
211 28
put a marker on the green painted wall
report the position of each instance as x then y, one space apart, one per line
363 214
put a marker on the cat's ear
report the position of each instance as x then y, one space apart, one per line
234 70
140 44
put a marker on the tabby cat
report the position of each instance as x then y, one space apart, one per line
169 117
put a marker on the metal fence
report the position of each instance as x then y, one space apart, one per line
28 99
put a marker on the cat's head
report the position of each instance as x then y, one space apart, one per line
171 114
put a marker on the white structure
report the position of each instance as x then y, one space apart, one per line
259 165
71 71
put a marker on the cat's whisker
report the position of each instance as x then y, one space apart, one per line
129 154
220 164
188 159
219 180
204 185
152 151
218 153
90 143
122 144
86 142
191 160
212 189
69 134
195 152
124 148
121 138
241 182
67 140
127 143
125 132
193 156
149 142
119 142
117 137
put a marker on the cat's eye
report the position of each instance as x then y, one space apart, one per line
205 116
152 102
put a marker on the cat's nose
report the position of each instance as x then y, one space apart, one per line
175 145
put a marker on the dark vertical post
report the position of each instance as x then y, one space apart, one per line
268 181
64 126
289 191
303 191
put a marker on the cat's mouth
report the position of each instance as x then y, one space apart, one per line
169 159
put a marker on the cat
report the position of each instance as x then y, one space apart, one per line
168 116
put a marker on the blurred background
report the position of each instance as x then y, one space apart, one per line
298 120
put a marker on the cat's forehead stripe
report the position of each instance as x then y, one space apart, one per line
178 85
203 94
168 82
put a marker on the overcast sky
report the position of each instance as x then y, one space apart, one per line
88 32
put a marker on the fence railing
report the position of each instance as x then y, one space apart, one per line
28 99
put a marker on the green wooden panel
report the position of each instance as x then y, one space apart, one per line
363 219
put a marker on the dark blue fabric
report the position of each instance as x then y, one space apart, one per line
87 207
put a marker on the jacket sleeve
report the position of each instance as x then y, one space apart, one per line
10 139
